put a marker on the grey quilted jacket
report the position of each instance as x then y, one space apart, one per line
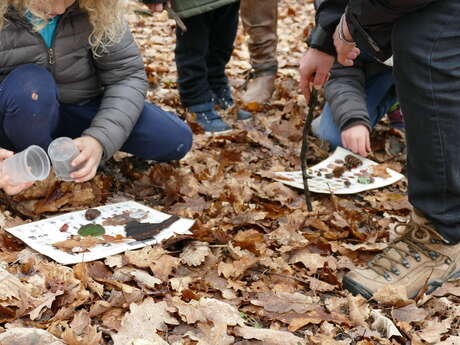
117 75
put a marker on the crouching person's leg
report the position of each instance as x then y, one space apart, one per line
159 135
29 108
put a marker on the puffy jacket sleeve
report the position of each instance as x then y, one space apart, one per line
121 73
346 96
371 22
328 13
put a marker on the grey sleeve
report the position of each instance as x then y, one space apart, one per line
122 75
346 95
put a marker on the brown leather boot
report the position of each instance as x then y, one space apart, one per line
259 90
259 19
420 255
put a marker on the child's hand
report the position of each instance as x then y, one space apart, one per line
5 184
357 140
89 158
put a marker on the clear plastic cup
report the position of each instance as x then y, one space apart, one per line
32 164
62 152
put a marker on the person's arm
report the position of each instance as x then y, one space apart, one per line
328 13
371 22
319 58
346 96
121 74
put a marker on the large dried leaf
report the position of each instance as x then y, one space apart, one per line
384 325
283 302
269 336
409 313
195 253
10 286
142 322
28 336
208 309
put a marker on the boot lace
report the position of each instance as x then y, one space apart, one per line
414 236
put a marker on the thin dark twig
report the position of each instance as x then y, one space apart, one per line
303 152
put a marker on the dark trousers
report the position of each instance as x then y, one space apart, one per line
30 113
427 74
203 52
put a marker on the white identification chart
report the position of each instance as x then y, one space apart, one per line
352 181
42 234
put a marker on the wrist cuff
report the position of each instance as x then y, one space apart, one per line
321 39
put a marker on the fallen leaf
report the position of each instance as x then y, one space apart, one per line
195 253
142 322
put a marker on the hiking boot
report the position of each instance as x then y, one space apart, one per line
396 117
259 90
224 100
419 256
208 118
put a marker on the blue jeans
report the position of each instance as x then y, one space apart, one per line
30 113
380 97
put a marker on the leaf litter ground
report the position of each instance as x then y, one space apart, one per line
259 269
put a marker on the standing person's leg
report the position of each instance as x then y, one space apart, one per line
224 27
426 59
380 96
29 108
260 22
158 135
192 49
224 24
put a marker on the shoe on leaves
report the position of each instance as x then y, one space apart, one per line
224 100
259 90
208 118
419 256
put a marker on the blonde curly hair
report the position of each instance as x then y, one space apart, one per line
106 17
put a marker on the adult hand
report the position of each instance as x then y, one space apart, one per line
314 68
5 183
158 7
357 140
346 49
88 160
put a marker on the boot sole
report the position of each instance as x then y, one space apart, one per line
356 288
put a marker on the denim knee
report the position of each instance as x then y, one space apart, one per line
29 84
184 142
29 106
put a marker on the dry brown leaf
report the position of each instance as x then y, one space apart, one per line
236 268
282 302
163 267
143 279
195 253
211 335
409 313
144 257
10 286
142 322
28 336
45 302
312 261
392 295
358 309
432 330
384 325
208 309
268 336
180 284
